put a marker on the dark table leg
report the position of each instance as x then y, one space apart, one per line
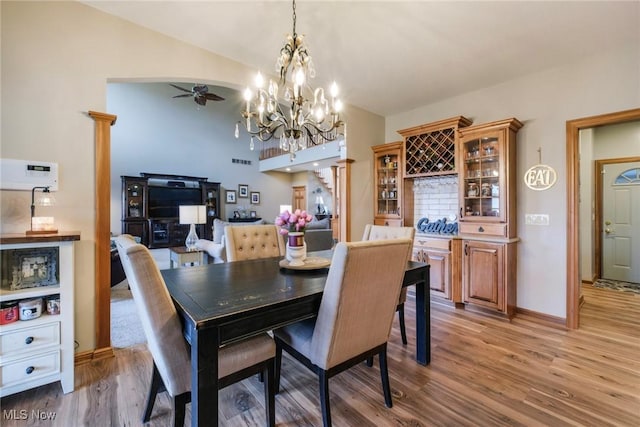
204 377
423 319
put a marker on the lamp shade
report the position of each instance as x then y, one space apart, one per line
285 208
193 214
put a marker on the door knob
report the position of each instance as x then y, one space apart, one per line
608 230
607 223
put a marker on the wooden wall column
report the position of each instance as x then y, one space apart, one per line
103 123
344 186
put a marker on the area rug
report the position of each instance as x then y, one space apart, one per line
617 285
126 328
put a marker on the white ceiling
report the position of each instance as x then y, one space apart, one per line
393 56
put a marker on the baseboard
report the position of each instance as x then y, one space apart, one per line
541 318
87 356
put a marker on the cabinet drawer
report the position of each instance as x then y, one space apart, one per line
27 339
30 368
388 222
430 242
499 230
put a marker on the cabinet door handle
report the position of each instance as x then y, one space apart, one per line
29 370
460 216
28 340
466 249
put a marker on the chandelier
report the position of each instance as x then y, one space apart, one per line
311 117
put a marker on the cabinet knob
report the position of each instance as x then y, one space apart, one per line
29 370
480 229
28 340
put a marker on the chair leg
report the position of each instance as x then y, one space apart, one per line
179 408
324 398
156 385
403 329
269 393
369 361
384 375
278 362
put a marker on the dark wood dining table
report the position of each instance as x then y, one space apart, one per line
222 303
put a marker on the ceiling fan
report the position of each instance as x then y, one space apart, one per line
200 94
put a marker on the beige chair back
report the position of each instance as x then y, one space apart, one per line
158 315
382 232
359 300
253 242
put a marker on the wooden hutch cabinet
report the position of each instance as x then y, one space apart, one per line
442 253
487 218
387 179
134 207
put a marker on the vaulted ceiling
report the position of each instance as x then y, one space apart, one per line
393 56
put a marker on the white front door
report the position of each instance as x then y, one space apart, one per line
621 222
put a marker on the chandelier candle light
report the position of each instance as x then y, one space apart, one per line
195 214
312 118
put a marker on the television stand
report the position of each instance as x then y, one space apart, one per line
150 207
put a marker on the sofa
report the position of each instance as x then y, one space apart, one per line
318 235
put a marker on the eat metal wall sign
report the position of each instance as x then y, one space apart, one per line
540 177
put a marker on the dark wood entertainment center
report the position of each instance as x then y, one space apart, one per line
150 207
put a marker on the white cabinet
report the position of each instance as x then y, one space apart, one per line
40 350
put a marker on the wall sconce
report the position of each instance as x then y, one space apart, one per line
41 224
192 215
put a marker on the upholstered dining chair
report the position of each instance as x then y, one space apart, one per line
170 351
253 242
378 232
355 315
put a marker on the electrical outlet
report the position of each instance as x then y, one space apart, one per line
536 219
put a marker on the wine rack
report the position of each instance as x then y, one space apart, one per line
430 149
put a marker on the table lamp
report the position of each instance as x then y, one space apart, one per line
320 203
192 215
41 224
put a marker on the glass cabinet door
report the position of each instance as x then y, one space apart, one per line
387 184
482 175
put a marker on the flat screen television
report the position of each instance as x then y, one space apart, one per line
164 202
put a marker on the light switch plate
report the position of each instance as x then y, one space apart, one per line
536 219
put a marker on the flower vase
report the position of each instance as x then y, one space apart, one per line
296 249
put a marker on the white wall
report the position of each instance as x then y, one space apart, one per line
57 58
544 102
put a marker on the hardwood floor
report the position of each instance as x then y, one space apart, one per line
484 371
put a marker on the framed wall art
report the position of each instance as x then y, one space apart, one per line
243 191
231 196
255 198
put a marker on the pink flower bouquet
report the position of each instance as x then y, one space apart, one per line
292 221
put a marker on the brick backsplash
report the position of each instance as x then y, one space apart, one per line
435 197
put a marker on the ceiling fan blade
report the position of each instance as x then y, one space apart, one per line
180 88
182 96
200 100
213 97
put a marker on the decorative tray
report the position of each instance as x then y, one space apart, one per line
311 263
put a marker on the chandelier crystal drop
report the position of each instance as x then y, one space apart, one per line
291 110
